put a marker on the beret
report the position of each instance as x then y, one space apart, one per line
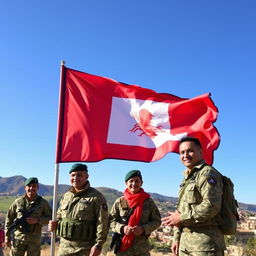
131 174
31 180
78 167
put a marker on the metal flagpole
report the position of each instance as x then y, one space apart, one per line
54 208
56 173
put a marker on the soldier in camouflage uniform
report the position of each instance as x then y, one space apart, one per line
144 219
27 237
196 221
82 218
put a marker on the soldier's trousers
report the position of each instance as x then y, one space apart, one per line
132 252
20 247
82 253
205 253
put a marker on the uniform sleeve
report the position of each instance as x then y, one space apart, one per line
10 217
102 220
209 186
154 220
114 217
46 213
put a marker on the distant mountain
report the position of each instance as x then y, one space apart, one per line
13 186
247 207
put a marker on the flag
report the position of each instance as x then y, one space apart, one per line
100 118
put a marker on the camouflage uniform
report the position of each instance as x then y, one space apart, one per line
83 221
150 221
31 241
199 204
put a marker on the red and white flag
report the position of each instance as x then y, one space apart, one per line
101 118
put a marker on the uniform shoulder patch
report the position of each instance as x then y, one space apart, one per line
211 181
211 177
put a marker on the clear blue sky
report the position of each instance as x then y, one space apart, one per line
185 48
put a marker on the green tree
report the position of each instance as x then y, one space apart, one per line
250 249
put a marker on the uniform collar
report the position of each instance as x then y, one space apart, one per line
72 189
197 167
27 199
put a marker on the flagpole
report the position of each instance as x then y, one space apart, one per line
54 208
56 169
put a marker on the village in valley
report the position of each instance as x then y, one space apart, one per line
243 243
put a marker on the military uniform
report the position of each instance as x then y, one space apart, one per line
82 221
22 240
199 204
150 221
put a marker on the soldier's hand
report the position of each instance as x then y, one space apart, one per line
167 220
94 251
138 230
173 219
128 230
52 225
175 248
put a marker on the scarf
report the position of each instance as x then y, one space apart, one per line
135 201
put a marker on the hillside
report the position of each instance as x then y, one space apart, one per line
14 186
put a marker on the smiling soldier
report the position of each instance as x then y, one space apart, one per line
26 217
144 217
82 218
196 221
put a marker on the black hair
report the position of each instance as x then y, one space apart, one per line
193 139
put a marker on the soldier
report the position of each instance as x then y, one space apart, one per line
196 220
144 217
26 217
82 218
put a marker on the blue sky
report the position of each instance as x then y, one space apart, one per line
185 48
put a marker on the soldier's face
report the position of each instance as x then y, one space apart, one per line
31 190
134 184
190 154
78 179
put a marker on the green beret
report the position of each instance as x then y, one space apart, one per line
78 167
132 173
31 180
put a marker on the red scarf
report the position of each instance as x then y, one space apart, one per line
134 200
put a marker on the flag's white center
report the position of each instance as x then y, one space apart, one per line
143 123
